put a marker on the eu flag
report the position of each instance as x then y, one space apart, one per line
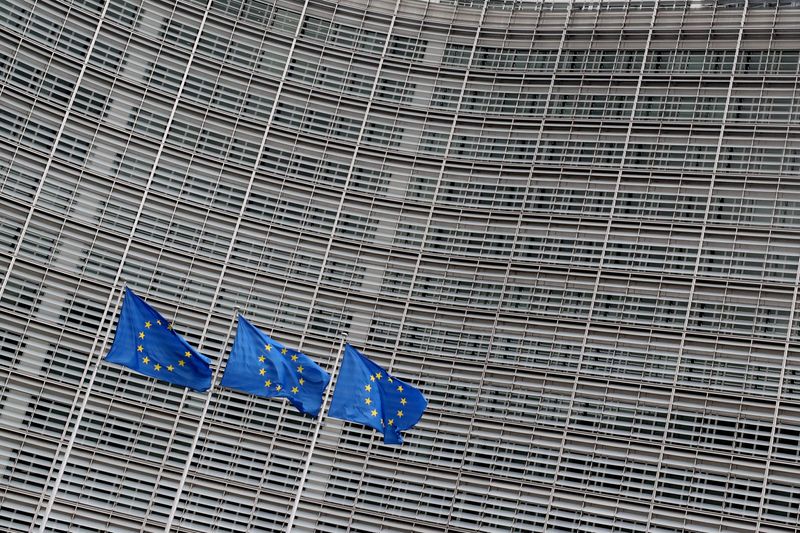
145 342
367 394
262 366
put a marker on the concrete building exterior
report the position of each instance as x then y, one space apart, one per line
573 224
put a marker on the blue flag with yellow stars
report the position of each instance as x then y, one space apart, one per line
145 342
262 366
366 393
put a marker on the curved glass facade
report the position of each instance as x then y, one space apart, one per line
573 224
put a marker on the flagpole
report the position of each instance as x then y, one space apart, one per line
196 438
304 475
71 442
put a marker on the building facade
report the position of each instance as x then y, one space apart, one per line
573 224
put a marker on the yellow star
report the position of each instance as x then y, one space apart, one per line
300 369
262 371
390 380
267 347
141 334
169 326
147 324
157 366
146 360
399 414
403 401
295 389
278 387
372 378
368 388
140 348
283 351
268 383
367 401
187 354
399 388
294 358
158 322
170 368
262 359
181 362
378 375
301 380
391 421
374 412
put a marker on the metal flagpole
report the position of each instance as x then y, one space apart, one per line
196 438
322 410
60 475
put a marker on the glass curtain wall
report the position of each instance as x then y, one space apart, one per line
573 224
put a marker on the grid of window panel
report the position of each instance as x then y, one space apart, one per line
573 224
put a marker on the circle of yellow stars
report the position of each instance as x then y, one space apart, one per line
377 377
278 387
146 359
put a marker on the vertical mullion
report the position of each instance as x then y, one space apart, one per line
427 229
703 226
598 275
88 365
56 141
779 393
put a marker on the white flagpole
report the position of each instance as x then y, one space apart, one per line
70 443
322 410
196 438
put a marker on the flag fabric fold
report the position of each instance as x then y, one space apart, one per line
146 343
367 394
262 366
